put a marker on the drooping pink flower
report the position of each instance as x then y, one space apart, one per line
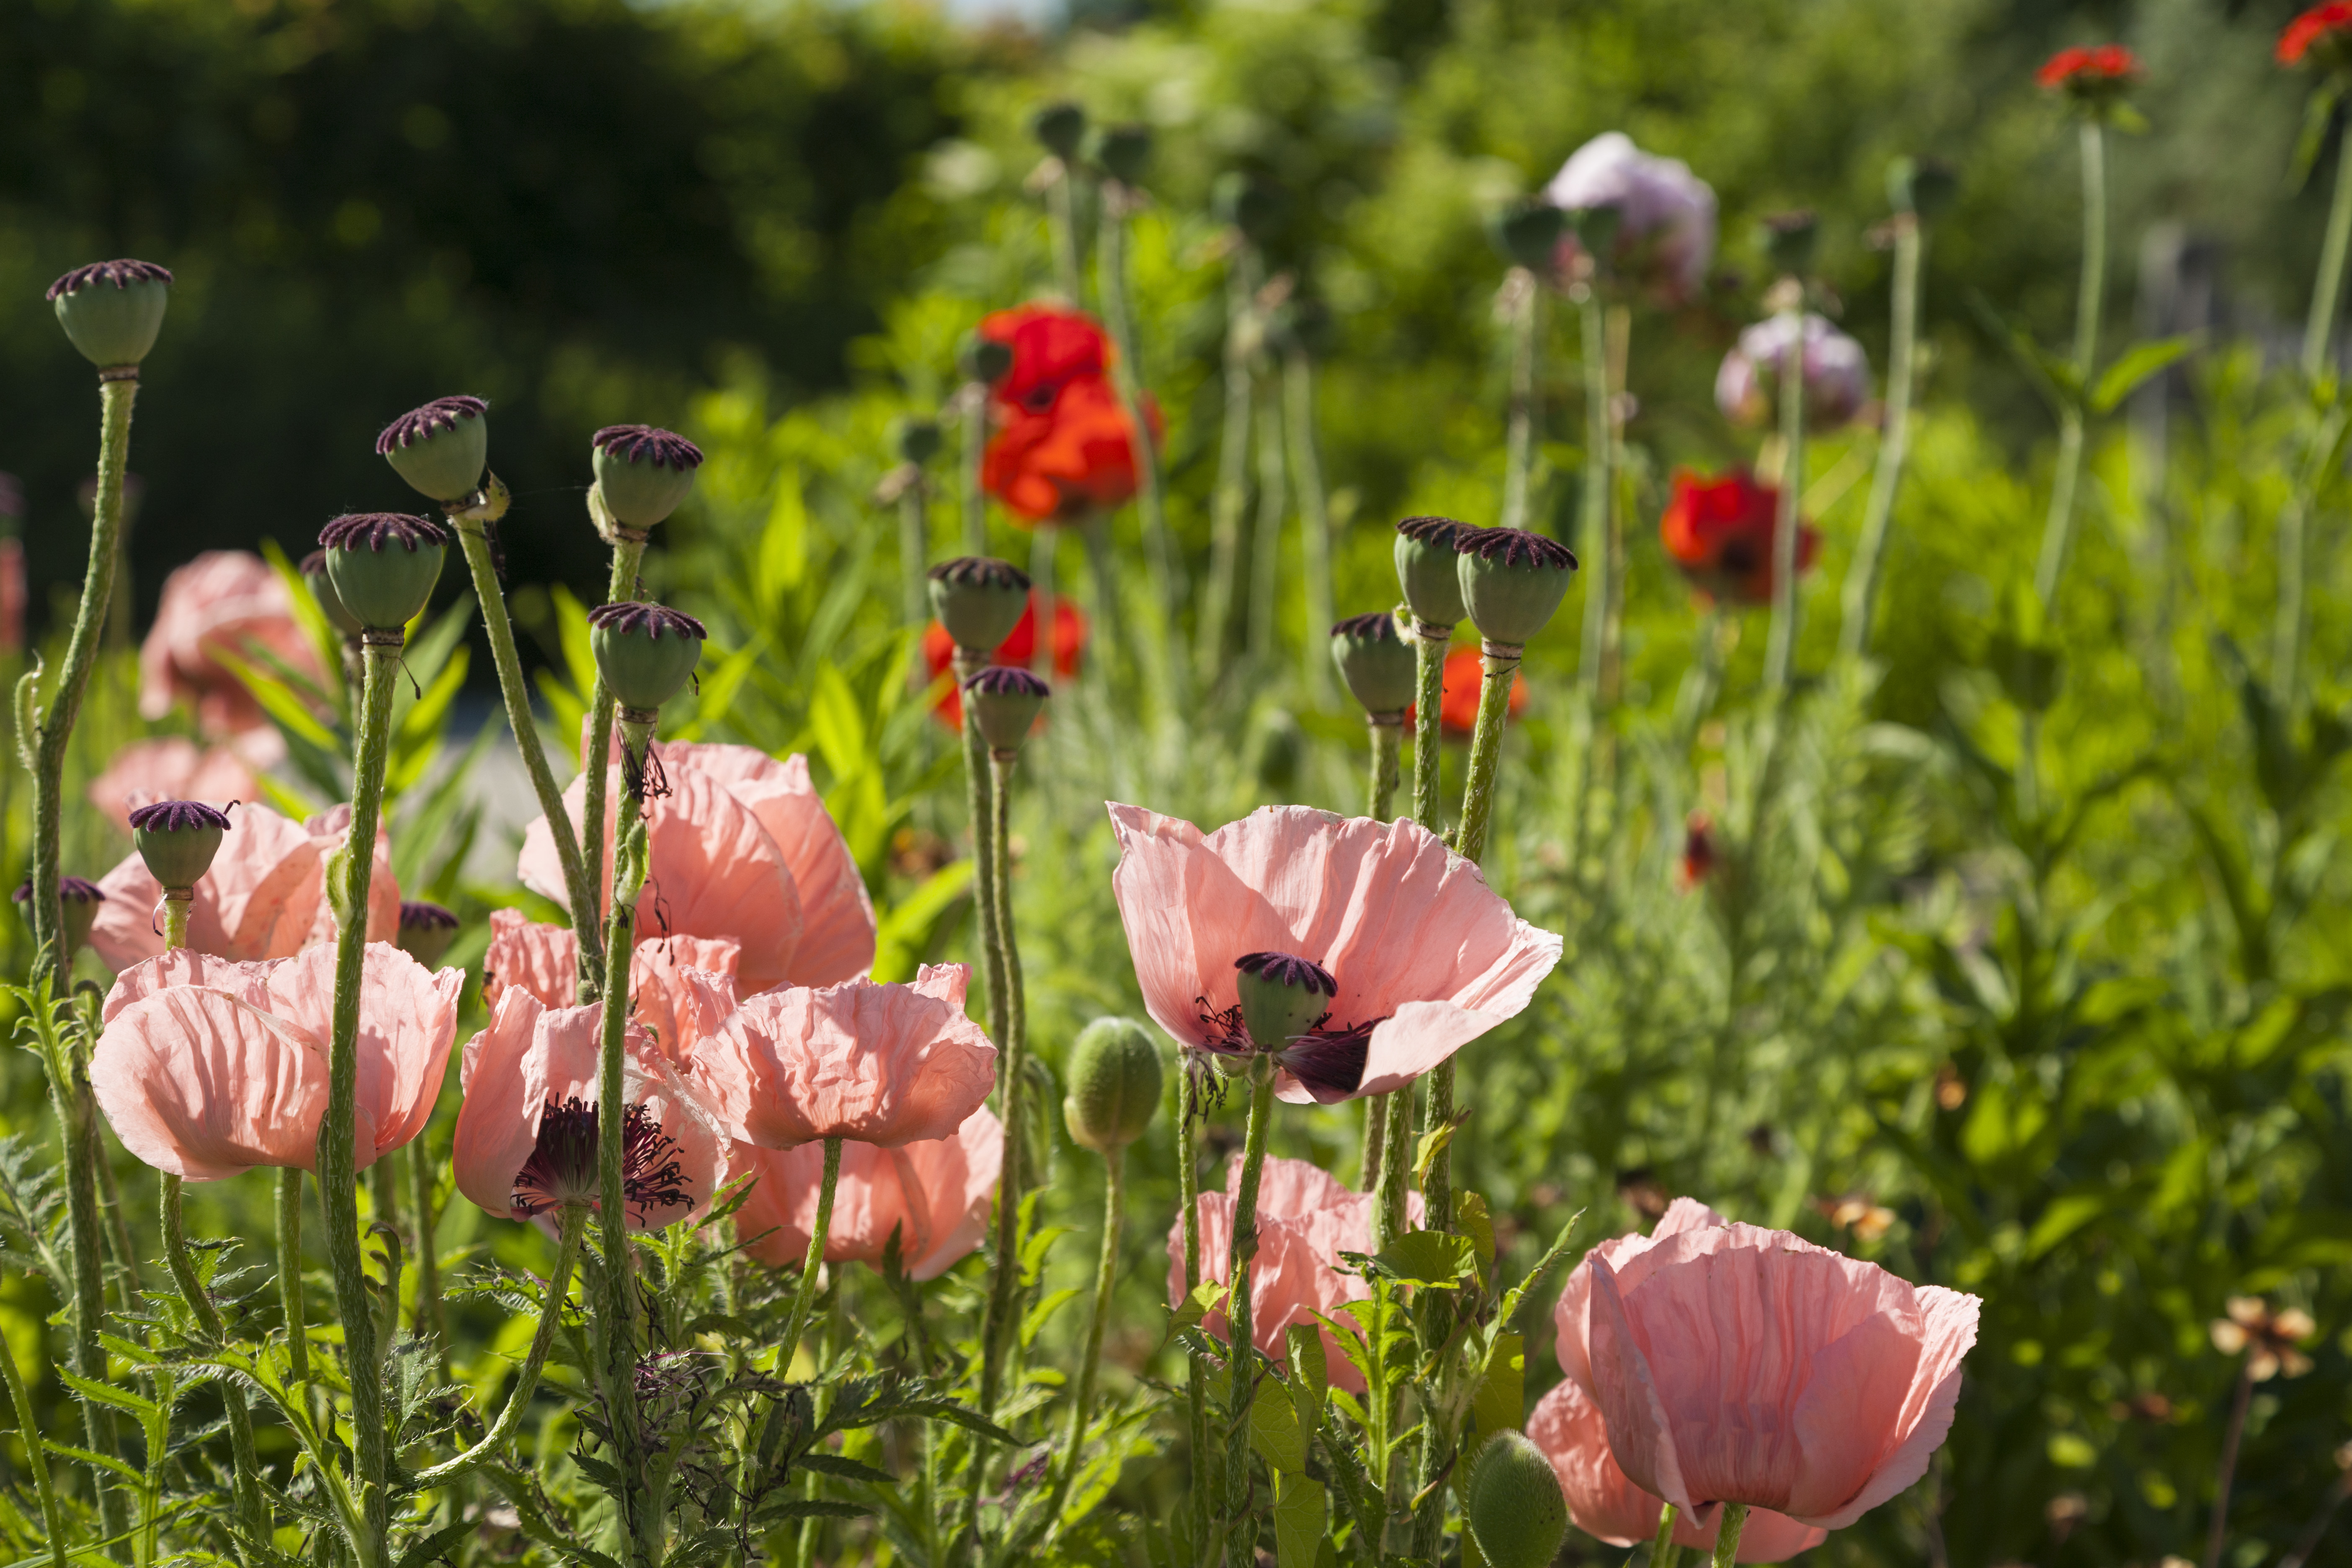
1305 1220
1738 1364
888 1065
1665 238
681 987
170 768
526 1141
1567 1426
1836 372
936 1195
208 1068
1426 956
223 601
264 897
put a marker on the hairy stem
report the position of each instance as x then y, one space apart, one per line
1499 666
969 662
595 758
289 1272
914 554
1388 744
616 1331
427 1316
1240 1519
1592 521
1726 1540
1870 551
1527 412
1106 1278
812 1264
1429 642
36 1458
573 1224
1062 218
1663 1551
1375 1142
1189 1112
1013 1072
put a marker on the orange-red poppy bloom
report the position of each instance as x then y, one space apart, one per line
1464 676
1051 347
1074 458
2093 71
2328 27
1699 852
1720 532
1017 649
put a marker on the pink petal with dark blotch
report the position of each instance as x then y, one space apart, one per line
203 1086
936 1194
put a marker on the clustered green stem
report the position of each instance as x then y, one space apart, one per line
1106 1278
628 557
1241 1519
1429 642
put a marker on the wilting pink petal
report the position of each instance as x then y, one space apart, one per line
329 829
876 1064
260 899
711 871
1568 1427
1735 1365
170 768
937 1194
223 601
1572 1317
1424 952
525 1069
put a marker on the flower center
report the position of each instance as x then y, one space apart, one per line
563 1164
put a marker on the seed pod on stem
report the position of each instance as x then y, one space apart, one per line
1004 702
643 474
112 311
644 652
1115 1079
383 566
426 932
441 448
79 898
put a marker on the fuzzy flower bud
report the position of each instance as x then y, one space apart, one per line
178 839
643 473
1004 701
978 599
1515 1509
1375 662
426 932
1426 569
79 899
1282 996
383 587
1114 1076
644 652
112 310
440 449
1512 580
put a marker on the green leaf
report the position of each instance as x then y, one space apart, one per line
107 1394
2053 377
1434 1141
1470 1214
1501 1401
1274 1431
1043 1312
85 1457
2137 362
1428 1257
1207 1296
1298 1509
438 1545
847 1469
2318 113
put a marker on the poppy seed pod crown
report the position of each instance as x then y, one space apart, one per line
1375 662
1123 152
985 359
644 474
383 565
80 899
918 440
1425 568
1526 234
440 449
1005 700
1114 1076
426 932
178 839
978 599
1515 1509
1060 129
1282 996
1256 207
323 589
1923 186
112 310
644 652
1511 580
1788 241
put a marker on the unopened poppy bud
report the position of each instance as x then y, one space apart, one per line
441 448
1375 662
918 440
1282 996
112 310
978 599
643 473
1511 580
1426 569
383 565
1256 207
1115 1078
1004 701
1923 186
1060 129
79 900
644 652
1123 152
178 839
1515 1511
323 588
1528 233
985 360
1788 240
426 932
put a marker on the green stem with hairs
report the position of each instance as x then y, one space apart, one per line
812 1263
1266 533
1388 745
1127 379
628 556
176 910
1232 493
289 1272
1870 551
1375 1140
1189 1112
1429 641
1526 415
1780 642
1727 1540
573 1223
969 662
252 1513
338 1129
1241 1521
1106 1278
1314 518
579 892
1663 1551
36 1458
427 1315
1013 1073
1499 664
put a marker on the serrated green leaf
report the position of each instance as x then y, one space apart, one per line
1501 1399
438 1545
1043 1312
846 1468
1427 1258
85 1457
1273 1428
107 1394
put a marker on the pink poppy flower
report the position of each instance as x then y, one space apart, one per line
223 601
1572 1315
1567 1426
526 1137
1665 238
1305 1220
1738 1364
208 1068
264 897
888 1065
170 768
936 1195
1426 957
681 987
1836 372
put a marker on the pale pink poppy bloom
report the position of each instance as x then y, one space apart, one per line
1835 368
223 601
1567 1426
170 768
1305 1220
681 987
1572 1315
1426 956
1738 1364
936 1195
1665 238
875 1064
526 1136
208 1067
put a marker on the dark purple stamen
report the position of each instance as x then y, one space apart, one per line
423 424
73 887
1007 680
426 917
374 530
635 619
1437 532
981 571
121 273
177 817
1288 969
563 1164
1329 1062
1377 626
1515 547
645 444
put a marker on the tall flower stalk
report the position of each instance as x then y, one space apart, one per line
1781 639
1015 1071
1232 493
1240 1521
1123 152
1314 507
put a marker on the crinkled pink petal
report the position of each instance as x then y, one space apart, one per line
879 1064
1572 1316
170 768
331 828
1950 1324
531 956
541 959
937 1194
260 899
223 601
203 1086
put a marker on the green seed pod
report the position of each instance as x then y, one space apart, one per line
1006 702
644 652
918 440
112 310
1789 241
978 599
985 359
643 473
1114 1076
1375 661
323 588
1528 233
178 839
383 565
1282 996
80 900
1123 152
426 932
1256 207
441 448
1516 1511
1595 228
1060 129
1512 580
1426 569
1922 185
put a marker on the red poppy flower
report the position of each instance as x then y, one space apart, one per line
2097 71
1051 347
1069 645
1719 531
1457 711
2328 26
1699 852
1076 458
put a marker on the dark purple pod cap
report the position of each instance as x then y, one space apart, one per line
1282 996
177 839
441 448
644 474
374 530
122 274
73 890
1512 581
648 444
426 932
634 618
1288 969
419 425
177 817
978 599
1005 700
77 901
1515 547
426 917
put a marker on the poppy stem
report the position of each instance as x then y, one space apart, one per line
2319 330
1388 746
1498 668
1429 699
969 662
1727 1540
1062 219
797 1324
1663 1551
36 1456
1526 410
1232 492
1314 517
1106 1278
252 1514
1196 1365
1013 1072
2058 534
1127 379
1375 1148
1870 551
1241 1519
573 1224
628 556
971 403
1780 642
1265 533
289 1272
177 910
